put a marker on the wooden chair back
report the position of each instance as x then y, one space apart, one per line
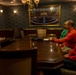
41 33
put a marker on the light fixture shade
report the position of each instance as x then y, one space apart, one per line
24 1
28 1
36 1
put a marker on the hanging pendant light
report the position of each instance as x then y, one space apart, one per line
37 2
24 1
30 2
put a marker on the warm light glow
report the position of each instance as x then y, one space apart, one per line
1 11
30 2
24 1
51 8
36 1
51 50
11 1
15 11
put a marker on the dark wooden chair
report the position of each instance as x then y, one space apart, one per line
18 62
41 32
22 33
17 33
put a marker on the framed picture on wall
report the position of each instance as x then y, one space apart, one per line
45 16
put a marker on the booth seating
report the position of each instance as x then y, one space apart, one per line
7 33
30 32
15 33
67 72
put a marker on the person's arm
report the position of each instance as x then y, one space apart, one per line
66 55
72 57
67 38
72 54
69 54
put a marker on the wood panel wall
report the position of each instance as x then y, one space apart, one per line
10 33
49 31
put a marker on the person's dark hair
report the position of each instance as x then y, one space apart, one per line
70 22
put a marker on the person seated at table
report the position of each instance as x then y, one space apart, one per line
68 42
70 60
64 32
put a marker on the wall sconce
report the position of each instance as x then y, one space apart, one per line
52 9
1 11
15 11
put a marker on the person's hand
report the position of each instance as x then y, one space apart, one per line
66 55
50 38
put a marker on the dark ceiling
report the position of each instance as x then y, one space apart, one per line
18 2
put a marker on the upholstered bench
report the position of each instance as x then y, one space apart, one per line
67 72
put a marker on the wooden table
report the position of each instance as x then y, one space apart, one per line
49 55
17 58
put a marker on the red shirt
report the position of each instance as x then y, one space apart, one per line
69 40
72 54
